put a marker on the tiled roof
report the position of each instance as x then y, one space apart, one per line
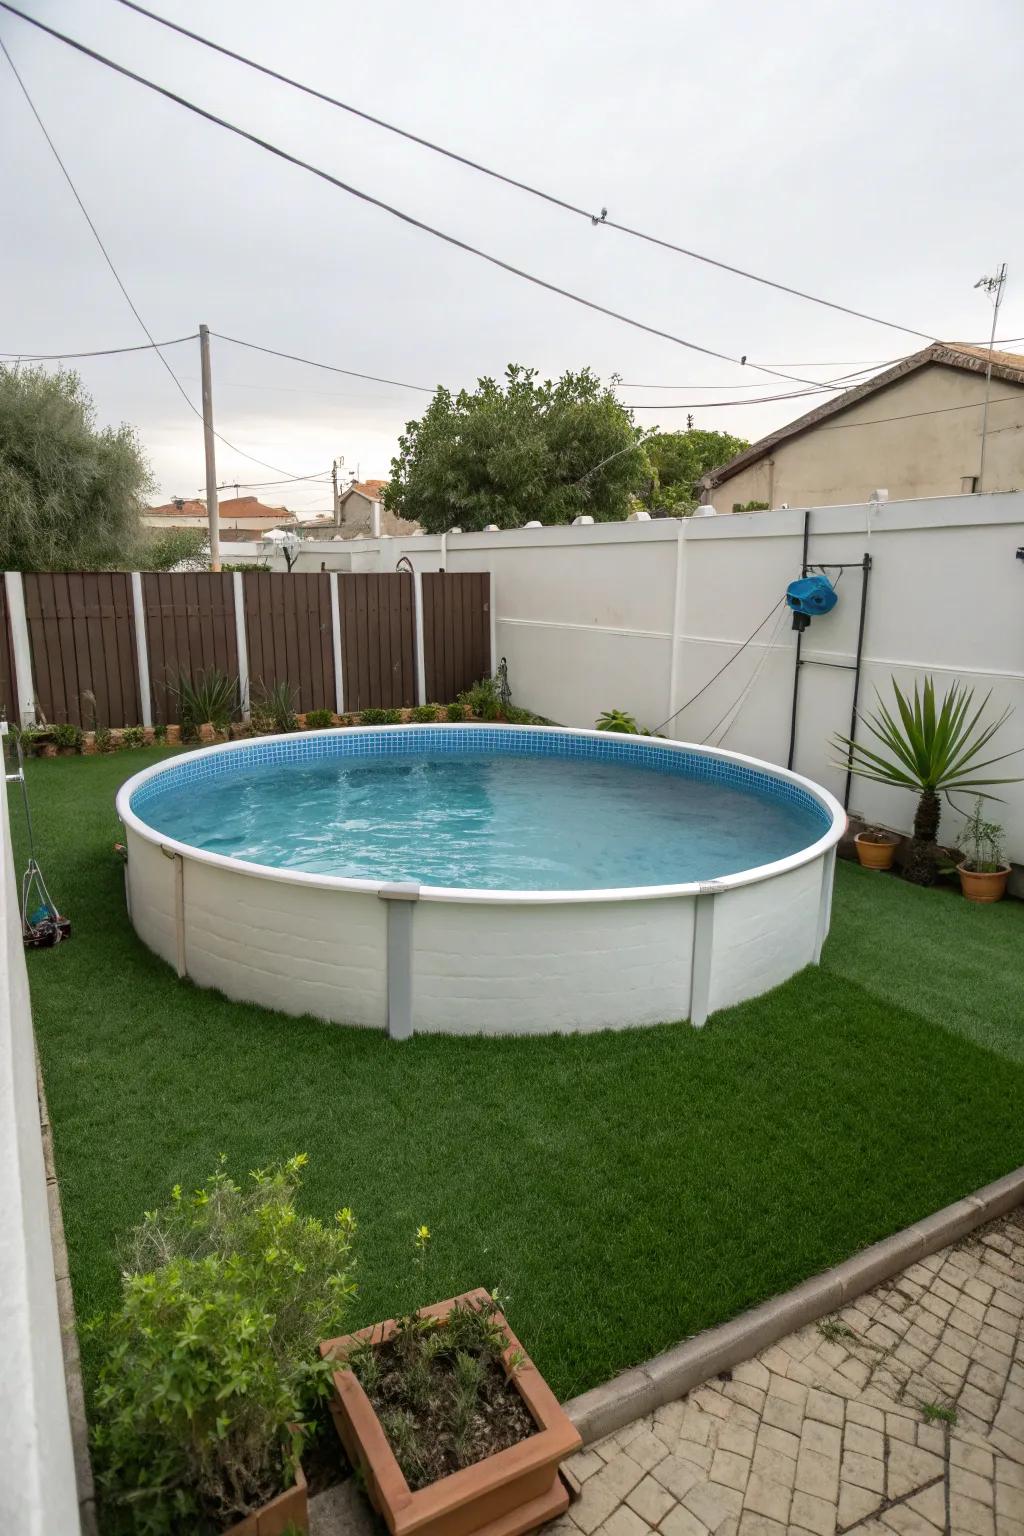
230 507
371 489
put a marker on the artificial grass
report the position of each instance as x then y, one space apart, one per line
624 1189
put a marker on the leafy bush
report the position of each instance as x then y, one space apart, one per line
277 703
617 720
456 713
67 737
104 738
483 699
319 719
517 716
159 734
423 714
210 1357
982 842
261 720
133 736
382 716
211 698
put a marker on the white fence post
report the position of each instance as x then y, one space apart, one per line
492 601
421 660
142 651
339 681
21 650
241 644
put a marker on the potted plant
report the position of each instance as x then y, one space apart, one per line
933 748
451 1424
983 870
876 847
210 1377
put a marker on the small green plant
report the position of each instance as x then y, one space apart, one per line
133 736
833 1330
981 842
381 716
515 715
104 738
67 737
938 1413
159 734
210 698
319 719
209 1372
32 737
617 720
423 714
484 699
456 713
278 704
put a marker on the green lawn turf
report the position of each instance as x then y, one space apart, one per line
626 1189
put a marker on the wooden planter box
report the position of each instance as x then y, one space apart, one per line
507 1494
288 1509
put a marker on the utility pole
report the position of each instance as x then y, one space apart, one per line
993 286
337 502
212 513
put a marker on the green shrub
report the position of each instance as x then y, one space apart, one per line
261 720
456 713
159 734
483 699
68 737
211 1355
516 716
133 736
381 717
210 698
423 714
617 720
104 738
277 703
319 719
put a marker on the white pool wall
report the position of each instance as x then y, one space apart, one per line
425 959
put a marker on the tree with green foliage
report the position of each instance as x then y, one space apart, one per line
71 494
680 459
165 549
512 452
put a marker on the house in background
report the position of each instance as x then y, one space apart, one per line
242 518
360 514
914 429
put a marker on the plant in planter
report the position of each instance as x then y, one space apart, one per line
876 847
934 747
484 699
210 1375
381 716
319 719
423 714
983 870
206 703
68 738
617 720
133 736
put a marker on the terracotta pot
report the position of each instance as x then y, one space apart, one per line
507 1494
979 886
173 735
287 1509
873 854
207 734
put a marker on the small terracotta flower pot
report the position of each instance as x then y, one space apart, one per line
978 885
273 1518
173 735
874 854
514 1491
207 734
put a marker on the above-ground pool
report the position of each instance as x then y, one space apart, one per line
480 878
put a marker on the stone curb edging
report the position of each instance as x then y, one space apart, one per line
668 1376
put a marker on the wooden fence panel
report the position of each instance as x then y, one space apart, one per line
190 627
289 635
378 642
8 691
81 630
456 631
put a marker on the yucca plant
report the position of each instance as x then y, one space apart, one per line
210 698
934 748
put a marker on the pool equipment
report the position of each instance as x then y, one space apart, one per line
42 926
809 597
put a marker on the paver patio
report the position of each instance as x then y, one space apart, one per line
825 1431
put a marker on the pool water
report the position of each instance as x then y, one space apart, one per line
485 821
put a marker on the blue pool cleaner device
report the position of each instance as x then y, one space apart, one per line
808 597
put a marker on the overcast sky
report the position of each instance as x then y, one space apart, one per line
867 152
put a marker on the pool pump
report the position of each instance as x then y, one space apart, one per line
808 597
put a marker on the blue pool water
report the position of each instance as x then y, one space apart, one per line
481 819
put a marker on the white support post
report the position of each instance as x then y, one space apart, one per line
241 644
142 651
24 686
828 875
401 903
339 680
494 623
677 611
421 660
703 947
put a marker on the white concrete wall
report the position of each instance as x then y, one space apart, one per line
38 1496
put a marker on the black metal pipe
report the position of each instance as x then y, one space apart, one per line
866 565
799 646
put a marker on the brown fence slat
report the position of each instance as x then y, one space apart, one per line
377 640
81 628
8 693
456 631
190 627
288 631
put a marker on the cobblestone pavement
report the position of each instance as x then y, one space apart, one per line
904 1412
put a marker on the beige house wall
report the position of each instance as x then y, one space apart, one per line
838 463
357 518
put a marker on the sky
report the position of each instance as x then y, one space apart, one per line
865 152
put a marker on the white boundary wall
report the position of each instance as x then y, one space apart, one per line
38 1495
640 615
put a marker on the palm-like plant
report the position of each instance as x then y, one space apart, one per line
617 720
933 747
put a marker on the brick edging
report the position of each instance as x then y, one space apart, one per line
671 1375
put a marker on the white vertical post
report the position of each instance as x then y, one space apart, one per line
421 660
142 651
828 874
401 901
339 681
494 623
677 610
703 948
241 644
24 686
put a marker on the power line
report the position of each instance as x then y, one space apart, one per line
328 367
841 379
61 357
521 186
715 676
397 213
155 346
